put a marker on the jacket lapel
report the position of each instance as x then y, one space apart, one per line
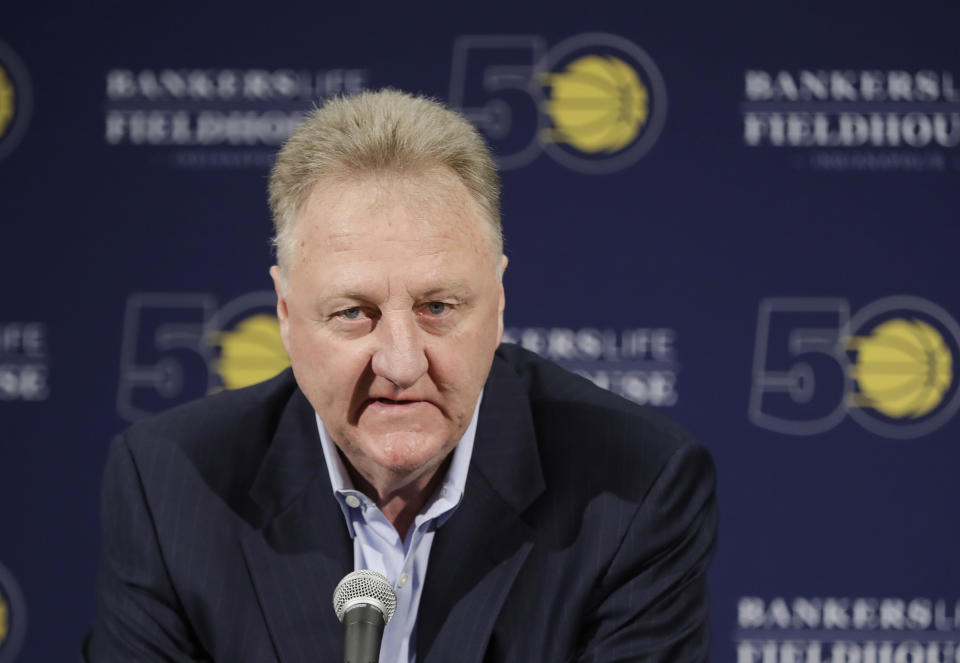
478 552
303 549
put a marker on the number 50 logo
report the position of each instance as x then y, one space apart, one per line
181 346
595 102
889 366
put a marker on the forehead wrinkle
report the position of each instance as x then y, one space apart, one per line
434 201
358 289
449 286
417 193
436 242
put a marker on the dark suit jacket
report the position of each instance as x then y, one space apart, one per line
584 533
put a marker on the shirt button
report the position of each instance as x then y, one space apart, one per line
402 580
353 501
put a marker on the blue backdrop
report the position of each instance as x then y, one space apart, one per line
743 216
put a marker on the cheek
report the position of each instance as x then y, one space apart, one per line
488 338
462 362
308 341
301 346
321 366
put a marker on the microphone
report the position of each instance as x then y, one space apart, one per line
364 602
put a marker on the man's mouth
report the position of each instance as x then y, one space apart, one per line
390 401
393 407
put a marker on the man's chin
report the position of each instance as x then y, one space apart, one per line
405 455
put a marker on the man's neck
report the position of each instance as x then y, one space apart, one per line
401 504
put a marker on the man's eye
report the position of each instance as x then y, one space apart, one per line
437 308
351 313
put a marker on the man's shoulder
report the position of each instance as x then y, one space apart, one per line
582 426
215 445
225 435
222 416
556 392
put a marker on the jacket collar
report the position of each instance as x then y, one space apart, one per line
294 458
302 549
478 553
506 449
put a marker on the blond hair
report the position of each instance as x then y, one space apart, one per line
387 131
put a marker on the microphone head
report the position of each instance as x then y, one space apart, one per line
365 587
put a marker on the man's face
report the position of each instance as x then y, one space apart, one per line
392 311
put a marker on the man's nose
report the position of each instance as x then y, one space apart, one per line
400 356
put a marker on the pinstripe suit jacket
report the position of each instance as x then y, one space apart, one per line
584 533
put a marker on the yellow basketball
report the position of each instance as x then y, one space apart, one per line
598 104
252 352
4 620
7 101
903 368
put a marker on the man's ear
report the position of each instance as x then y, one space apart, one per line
282 313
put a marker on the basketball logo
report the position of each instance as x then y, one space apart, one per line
605 101
598 100
251 352
7 101
889 366
4 621
13 617
903 368
598 104
15 100
901 353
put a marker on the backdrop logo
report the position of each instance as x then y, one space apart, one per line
640 364
849 629
24 362
181 346
15 100
251 352
595 102
215 118
13 617
903 368
889 366
598 104
855 119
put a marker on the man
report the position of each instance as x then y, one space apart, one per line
521 513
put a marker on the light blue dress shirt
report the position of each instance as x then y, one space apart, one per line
377 546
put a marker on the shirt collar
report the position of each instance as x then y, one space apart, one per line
439 507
